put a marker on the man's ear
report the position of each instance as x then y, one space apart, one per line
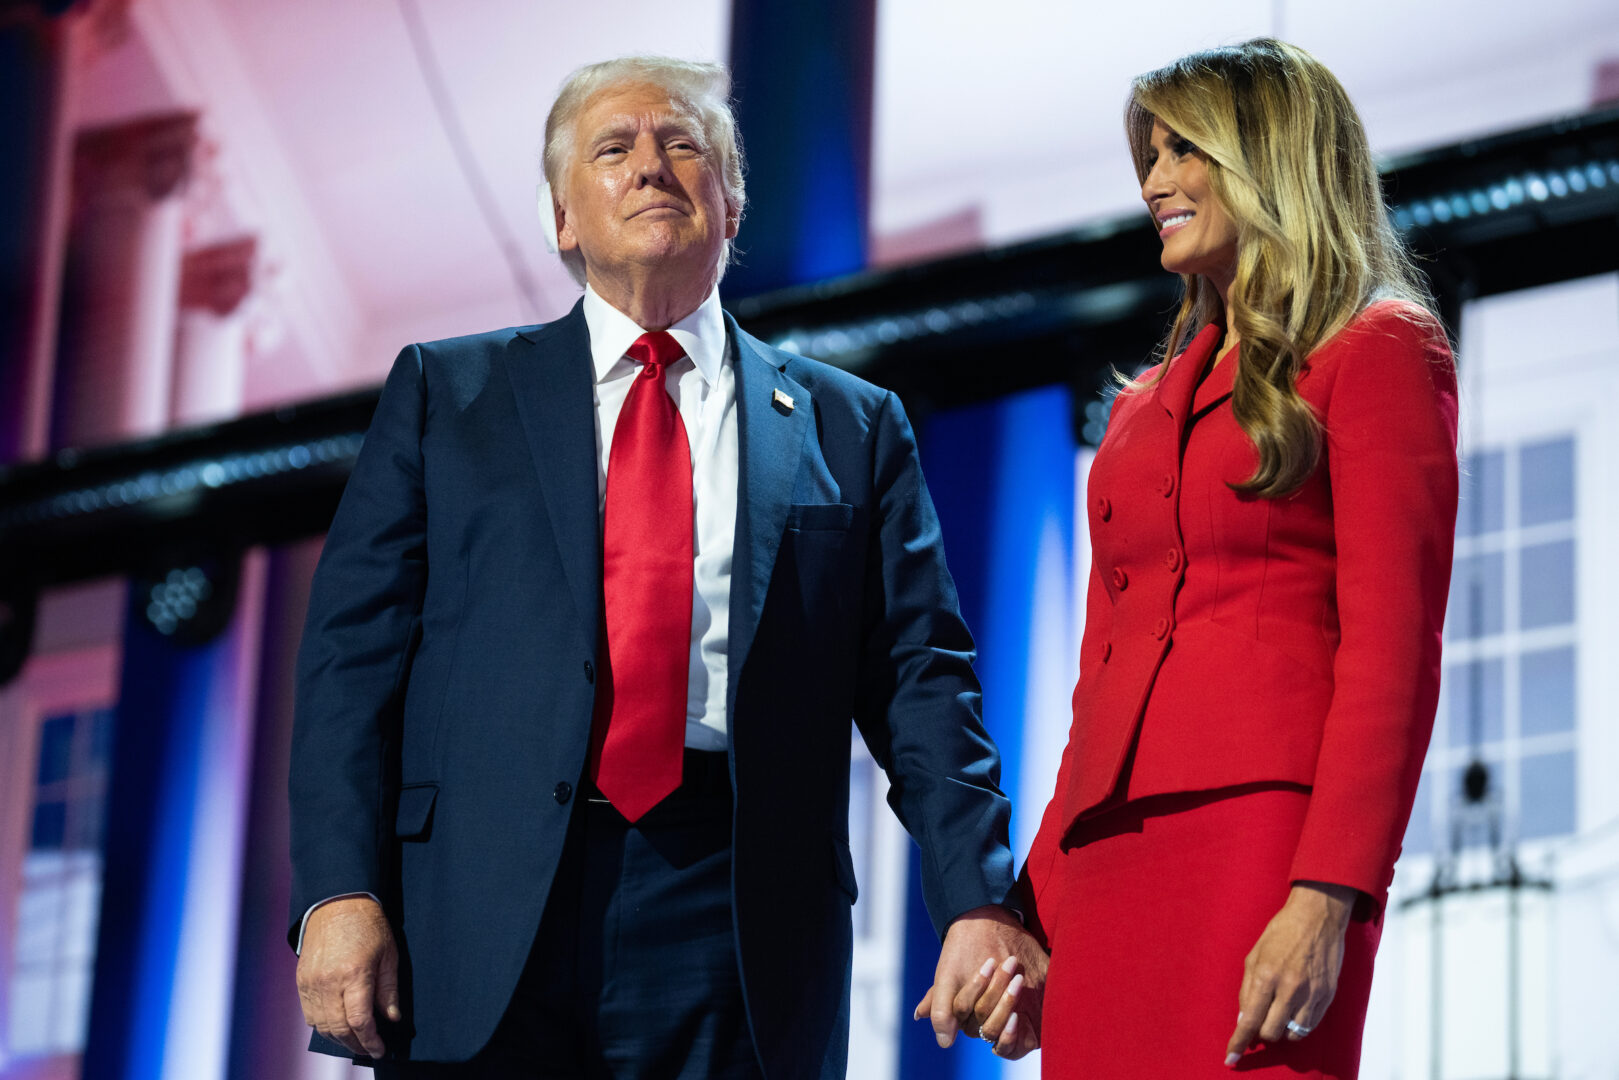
566 240
733 223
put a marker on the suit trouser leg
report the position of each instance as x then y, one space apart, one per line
669 995
633 974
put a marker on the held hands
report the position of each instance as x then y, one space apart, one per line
998 998
349 968
1291 974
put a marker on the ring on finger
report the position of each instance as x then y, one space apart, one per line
1297 1030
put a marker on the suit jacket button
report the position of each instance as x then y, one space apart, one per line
1107 651
562 792
1167 486
1120 578
1172 559
590 672
1160 630
1104 507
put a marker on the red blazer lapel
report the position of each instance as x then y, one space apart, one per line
1176 388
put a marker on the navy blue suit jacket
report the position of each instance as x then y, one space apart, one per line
445 679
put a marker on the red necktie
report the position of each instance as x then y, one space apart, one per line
640 722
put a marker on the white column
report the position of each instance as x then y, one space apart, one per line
210 357
123 277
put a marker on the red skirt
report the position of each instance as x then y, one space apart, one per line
1152 910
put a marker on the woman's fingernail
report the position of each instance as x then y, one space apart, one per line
1231 1059
944 1041
1008 964
1015 985
1011 1025
988 969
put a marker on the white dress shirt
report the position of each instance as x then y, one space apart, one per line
703 384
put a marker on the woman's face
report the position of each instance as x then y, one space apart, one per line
1197 234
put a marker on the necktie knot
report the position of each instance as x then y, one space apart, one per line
658 348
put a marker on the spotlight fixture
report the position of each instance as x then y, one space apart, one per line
191 602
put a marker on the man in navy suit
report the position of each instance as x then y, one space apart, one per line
570 776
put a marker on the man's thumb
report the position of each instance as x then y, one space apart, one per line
388 985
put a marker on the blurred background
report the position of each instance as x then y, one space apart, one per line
221 219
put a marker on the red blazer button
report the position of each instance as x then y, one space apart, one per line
1172 559
1104 507
1107 650
1167 487
1120 578
1160 629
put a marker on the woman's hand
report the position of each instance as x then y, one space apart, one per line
1292 972
1007 1013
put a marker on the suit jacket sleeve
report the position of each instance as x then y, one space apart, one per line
1042 860
1391 460
918 701
359 635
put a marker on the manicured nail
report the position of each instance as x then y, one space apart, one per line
1008 964
1231 1059
988 969
945 1041
1015 985
1010 1030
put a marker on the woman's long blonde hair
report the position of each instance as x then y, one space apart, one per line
1289 162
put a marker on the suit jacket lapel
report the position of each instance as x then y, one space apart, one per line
552 381
770 442
1218 386
1176 389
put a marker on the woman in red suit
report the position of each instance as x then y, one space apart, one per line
1271 517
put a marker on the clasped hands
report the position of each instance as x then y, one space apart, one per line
988 984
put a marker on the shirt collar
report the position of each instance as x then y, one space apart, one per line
701 334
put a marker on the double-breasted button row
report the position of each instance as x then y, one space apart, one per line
1160 629
1107 650
1104 507
1172 559
1166 486
1121 580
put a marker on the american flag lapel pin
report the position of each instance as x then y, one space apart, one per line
782 402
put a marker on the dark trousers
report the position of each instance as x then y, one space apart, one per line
633 975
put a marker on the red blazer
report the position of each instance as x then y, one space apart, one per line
1236 639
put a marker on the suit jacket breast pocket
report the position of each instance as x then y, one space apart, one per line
820 517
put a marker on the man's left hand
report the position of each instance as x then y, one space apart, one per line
985 933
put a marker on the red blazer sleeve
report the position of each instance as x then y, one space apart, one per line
1391 459
1037 869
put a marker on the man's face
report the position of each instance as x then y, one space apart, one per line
642 190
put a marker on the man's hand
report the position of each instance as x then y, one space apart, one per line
348 969
973 960
1291 974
